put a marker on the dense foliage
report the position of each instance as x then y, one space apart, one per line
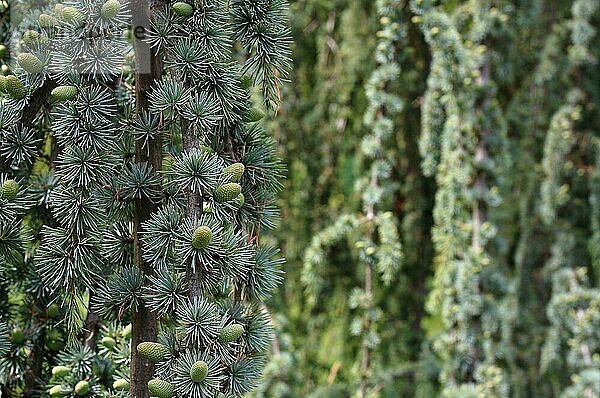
136 184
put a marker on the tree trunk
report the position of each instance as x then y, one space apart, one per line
149 68
33 372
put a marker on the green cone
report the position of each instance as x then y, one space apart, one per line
72 15
64 93
201 237
234 171
46 21
121 385
30 63
10 189
108 342
198 371
82 388
155 352
31 36
59 391
14 87
231 333
3 51
160 388
110 9
183 9
227 192
61 371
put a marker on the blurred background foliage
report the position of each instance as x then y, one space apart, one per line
541 200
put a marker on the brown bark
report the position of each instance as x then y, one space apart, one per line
149 67
36 101
33 372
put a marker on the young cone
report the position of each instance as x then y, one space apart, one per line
82 388
234 172
121 385
46 21
239 201
61 371
201 237
227 192
183 9
108 342
198 371
53 310
30 63
31 36
160 388
155 352
231 333
59 391
10 189
15 88
110 9
64 93
72 15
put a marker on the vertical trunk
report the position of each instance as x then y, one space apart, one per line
149 68
90 328
33 372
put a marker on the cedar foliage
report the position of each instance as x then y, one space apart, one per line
137 182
